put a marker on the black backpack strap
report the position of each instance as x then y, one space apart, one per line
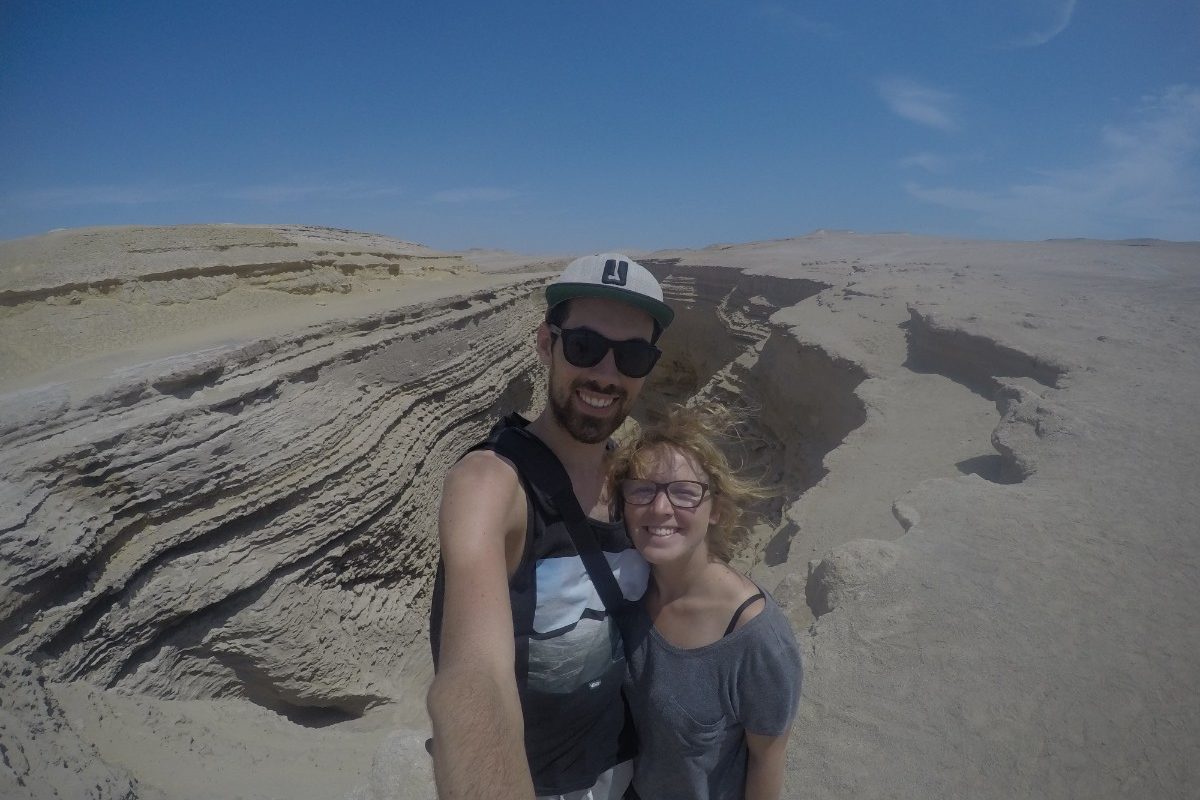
527 450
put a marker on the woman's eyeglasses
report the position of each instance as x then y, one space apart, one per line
586 348
681 494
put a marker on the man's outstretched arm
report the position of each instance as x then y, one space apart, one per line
478 733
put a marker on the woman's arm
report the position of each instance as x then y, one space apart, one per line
764 769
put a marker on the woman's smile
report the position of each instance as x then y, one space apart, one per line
663 532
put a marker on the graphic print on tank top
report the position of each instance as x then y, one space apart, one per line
574 642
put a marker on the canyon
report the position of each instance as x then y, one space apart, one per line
221 449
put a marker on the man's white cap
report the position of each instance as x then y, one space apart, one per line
615 276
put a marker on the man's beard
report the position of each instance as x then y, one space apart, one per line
583 427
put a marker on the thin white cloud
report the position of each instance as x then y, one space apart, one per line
101 195
930 162
937 163
918 103
781 15
1058 16
1145 181
137 194
474 194
278 194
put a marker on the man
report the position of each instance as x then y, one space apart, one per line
526 699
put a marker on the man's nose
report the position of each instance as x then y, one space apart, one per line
608 367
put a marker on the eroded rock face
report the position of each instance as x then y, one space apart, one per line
846 573
235 515
256 519
1026 420
262 524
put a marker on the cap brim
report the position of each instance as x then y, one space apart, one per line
657 309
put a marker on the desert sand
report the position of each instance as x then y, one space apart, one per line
221 447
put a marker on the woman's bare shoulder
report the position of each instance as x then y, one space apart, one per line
735 590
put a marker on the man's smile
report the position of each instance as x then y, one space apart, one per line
599 399
594 399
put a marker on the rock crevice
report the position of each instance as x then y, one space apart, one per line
257 521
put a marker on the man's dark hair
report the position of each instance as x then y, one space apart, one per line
557 315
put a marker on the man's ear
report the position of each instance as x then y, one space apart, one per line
544 344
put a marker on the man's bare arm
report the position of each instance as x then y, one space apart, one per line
479 745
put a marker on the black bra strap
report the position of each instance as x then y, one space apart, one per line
738 614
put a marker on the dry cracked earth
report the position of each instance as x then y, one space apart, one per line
221 449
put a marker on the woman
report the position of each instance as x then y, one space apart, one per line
714 670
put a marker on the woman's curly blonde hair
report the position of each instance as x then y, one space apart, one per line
694 432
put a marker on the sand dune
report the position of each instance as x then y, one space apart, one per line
222 444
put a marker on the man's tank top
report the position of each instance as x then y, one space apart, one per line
570 660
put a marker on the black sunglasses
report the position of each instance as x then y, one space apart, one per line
586 348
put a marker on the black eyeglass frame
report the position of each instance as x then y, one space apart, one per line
661 488
621 350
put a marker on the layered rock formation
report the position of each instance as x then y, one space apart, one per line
222 448
254 519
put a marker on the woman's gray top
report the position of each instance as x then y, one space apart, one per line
692 708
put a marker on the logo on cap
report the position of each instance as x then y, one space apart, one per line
615 272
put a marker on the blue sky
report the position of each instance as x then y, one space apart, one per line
565 125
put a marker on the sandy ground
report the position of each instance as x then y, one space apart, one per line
1022 629
205 749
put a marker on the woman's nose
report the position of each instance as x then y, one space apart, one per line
661 503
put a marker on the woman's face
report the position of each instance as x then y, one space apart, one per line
660 531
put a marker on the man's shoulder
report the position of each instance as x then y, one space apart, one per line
485 468
481 494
